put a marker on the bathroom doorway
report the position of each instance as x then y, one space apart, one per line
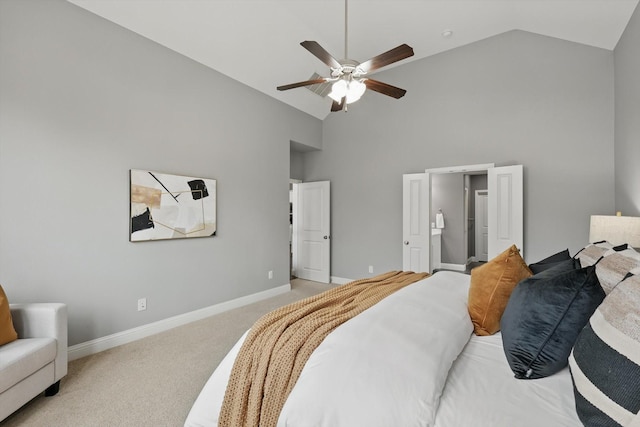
453 195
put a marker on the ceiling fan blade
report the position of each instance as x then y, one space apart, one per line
319 52
384 88
300 84
337 106
389 57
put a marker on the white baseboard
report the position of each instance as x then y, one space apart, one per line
456 267
340 280
104 343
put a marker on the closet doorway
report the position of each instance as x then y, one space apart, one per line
291 183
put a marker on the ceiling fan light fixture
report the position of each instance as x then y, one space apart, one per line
338 90
355 91
349 76
352 90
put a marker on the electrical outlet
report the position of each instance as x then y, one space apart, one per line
371 269
270 274
142 304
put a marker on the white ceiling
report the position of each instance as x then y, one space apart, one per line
256 42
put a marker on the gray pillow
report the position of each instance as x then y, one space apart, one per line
549 261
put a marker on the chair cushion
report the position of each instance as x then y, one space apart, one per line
491 287
23 357
7 331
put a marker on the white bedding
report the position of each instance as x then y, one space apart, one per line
390 364
481 391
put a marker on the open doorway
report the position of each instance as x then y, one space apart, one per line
291 183
453 197
309 220
476 195
505 212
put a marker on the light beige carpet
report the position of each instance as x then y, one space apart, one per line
153 381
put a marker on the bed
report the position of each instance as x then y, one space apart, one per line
413 359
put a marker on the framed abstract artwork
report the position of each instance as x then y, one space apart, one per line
165 206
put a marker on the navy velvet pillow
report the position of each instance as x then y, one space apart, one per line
544 316
549 262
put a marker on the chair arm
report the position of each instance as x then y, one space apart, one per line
44 320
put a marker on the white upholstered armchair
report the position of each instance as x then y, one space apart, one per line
37 360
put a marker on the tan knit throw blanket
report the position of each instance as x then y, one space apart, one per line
280 343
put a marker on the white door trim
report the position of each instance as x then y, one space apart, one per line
462 169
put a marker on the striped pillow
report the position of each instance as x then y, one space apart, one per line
614 267
594 252
605 361
591 254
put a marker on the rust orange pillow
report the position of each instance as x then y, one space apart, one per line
7 332
491 287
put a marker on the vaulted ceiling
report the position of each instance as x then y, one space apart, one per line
257 42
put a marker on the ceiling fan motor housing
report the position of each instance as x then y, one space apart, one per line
347 66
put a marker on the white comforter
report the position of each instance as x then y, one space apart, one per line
385 367
481 391
392 366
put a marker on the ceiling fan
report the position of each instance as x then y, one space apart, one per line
349 77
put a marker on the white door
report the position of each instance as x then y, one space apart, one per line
482 225
505 209
311 231
416 229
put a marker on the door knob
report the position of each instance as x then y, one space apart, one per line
406 242
326 237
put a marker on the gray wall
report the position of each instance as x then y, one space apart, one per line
296 165
514 98
82 102
627 151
